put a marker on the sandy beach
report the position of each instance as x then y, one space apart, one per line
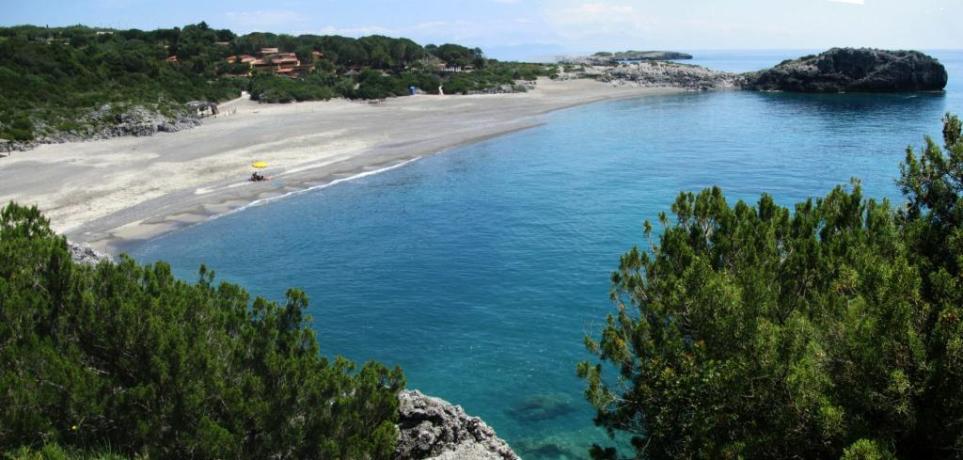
108 193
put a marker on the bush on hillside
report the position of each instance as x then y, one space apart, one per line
125 358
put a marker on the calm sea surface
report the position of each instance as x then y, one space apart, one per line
479 270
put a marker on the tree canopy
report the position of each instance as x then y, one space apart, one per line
829 330
78 80
124 358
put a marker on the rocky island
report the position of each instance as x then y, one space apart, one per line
838 70
841 70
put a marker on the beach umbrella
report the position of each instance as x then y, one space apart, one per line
259 165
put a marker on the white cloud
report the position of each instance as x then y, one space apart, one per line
585 15
600 23
849 2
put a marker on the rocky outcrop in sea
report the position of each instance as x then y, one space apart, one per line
669 74
853 70
432 428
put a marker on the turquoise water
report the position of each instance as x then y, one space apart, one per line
479 270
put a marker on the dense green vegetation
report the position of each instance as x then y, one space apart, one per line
124 358
54 80
56 452
831 330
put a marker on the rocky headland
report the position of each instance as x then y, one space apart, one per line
432 428
841 70
838 70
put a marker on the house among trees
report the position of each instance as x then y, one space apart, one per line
280 63
243 59
272 60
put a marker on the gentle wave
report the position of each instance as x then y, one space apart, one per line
264 201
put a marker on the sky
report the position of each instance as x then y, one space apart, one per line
519 29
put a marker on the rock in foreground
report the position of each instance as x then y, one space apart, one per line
84 254
853 70
432 428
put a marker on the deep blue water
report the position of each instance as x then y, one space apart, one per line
479 270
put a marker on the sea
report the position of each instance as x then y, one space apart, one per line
479 270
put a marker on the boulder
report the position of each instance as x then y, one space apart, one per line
853 70
432 428
84 254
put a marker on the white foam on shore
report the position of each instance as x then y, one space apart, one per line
263 201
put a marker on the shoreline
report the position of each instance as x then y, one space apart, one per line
111 194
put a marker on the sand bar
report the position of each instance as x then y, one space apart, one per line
111 192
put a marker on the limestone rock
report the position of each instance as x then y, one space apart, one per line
104 123
670 74
84 254
139 121
853 70
431 428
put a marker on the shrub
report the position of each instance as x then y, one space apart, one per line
372 84
124 355
270 88
760 332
